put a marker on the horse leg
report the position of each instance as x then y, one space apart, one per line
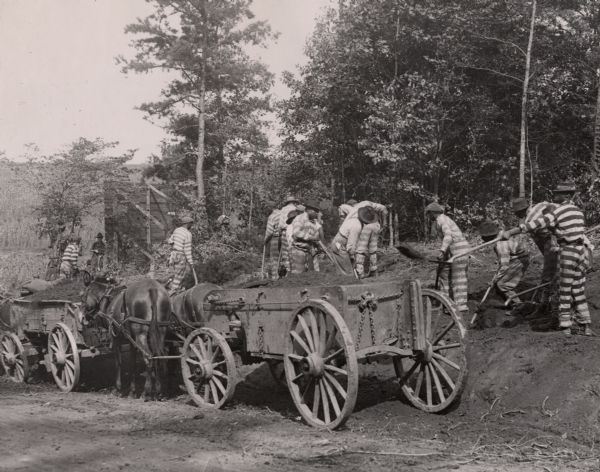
132 370
118 364
142 340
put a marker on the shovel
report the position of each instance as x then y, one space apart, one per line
532 289
474 249
262 266
480 306
337 265
409 251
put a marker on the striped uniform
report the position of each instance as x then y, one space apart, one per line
344 210
513 260
345 242
303 230
272 239
284 260
546 242
454 241
69 260
181 259
567 223
367 246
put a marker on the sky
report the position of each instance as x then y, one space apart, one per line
59 80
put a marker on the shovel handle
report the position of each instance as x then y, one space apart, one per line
474 249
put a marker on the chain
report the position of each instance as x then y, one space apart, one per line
367 304
261 340
372 323
360 328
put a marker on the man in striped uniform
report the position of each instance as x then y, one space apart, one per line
180 260
566 222
272 243
290 204
305 234
513 260
369 237
69 258
544 240
347 243
453 244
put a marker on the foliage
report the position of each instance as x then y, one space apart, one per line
69 185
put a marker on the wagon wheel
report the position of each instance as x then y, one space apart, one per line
64 357
320 365
208 368
434 378
13 358
277 371
86 277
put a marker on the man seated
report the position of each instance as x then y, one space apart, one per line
513 260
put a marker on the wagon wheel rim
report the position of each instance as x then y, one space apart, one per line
434 379
320 365
13 358
208 368
277 370
64 357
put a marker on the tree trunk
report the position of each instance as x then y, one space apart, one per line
596 156
202 109
523 150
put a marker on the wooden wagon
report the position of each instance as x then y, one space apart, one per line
53 333
319 335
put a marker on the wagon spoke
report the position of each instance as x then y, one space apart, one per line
331 337
322 332
70 376
315 329
307 387
206 393
446 361
419 383
215 352
443 333
408 373
334 354
443 347
301 374
199 341
443 373
71 365
336 369
217 364
193 361
334 402
316 402
53 347
219 384
218 373
214 392
300 342
196 351
307 334
325 402
428 318
295 357
56 340
438 385
428 385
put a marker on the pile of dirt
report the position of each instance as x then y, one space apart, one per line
305 279
67 290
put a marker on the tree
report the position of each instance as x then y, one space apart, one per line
70 184
202 43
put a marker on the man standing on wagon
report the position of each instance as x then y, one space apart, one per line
272 243
181 261
305 234
291 204
566 222
453 244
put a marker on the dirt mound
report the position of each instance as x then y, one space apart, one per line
67 290
305 279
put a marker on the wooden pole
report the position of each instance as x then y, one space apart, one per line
149 230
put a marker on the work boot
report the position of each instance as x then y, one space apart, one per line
566 331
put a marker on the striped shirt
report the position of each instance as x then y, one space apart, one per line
451 233
350 231
511 249
303 229
565 221
71 254
273 224
378 207
537 211
181 239
344 210
283 216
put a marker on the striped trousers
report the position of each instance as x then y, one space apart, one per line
302 260
284 259
571 296
367 246
550 249
179 269
273 267
509 281
458 276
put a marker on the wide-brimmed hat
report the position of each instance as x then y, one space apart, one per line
291 199
434 207
312 204
186 219
565 187
351 202
99 236
367 215
291 215
488 228
519 204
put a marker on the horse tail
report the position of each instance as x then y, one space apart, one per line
154 338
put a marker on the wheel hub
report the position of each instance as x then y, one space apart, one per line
313 365
61 358
10 358
428 352
204 370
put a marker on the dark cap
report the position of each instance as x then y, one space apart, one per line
434 207
99 236
291 215
367 215
313 204
519 204
488 228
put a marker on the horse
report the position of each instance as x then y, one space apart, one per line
138 314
